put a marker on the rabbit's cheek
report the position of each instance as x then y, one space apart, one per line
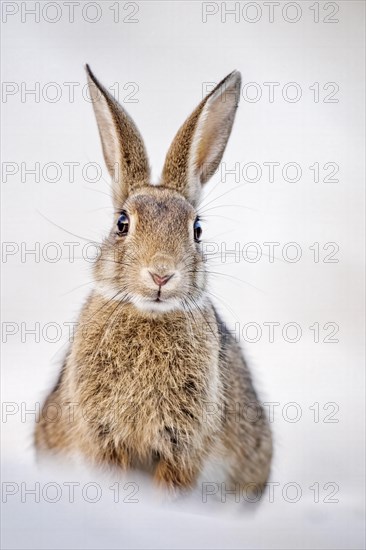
200 278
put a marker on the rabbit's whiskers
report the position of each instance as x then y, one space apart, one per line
67 231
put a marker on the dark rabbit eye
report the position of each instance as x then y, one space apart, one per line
123 223
197 229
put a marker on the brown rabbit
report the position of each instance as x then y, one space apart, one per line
155 380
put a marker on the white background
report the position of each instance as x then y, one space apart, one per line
169 54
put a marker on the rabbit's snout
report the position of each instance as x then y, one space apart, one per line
161 269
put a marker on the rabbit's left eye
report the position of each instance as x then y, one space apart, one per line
197 229
123 223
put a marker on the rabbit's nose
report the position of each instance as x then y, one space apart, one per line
161 280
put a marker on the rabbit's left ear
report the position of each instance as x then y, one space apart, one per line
198 147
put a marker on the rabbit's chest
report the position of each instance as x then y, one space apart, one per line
148 380
149 372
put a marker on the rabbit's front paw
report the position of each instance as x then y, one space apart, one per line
175 478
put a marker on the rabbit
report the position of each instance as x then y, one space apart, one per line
153 380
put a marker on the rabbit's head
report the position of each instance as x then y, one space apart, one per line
152 257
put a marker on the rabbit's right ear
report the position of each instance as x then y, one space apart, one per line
123 148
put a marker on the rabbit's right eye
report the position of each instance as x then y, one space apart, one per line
123 223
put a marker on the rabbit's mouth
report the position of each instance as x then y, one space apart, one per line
159 299
158 296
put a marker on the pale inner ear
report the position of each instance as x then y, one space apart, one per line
211 141
107 130
212 133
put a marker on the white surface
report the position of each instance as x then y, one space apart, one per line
169 53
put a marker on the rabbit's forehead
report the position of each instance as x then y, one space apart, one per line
161 205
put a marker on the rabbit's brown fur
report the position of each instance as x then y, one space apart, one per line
153 379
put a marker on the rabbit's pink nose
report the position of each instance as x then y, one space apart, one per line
161 280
